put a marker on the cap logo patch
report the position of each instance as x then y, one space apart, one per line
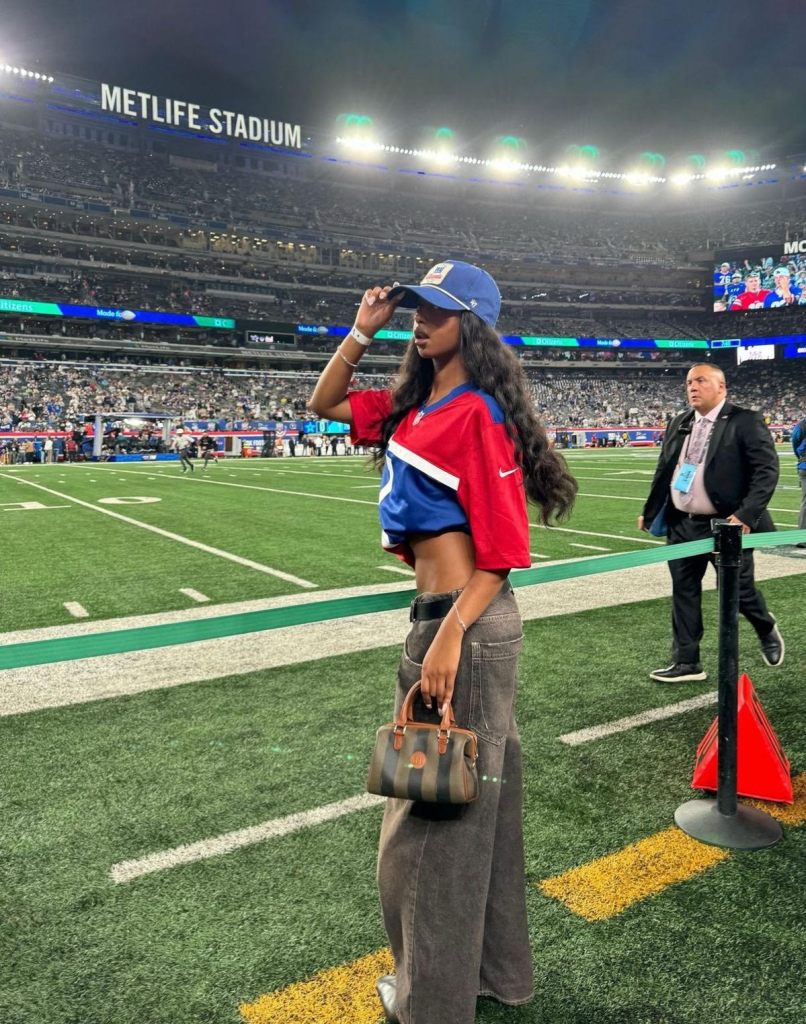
437 273
474 302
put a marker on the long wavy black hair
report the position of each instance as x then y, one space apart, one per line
493 367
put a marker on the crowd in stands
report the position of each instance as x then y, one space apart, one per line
556 264
44 268
302 251
528 222
45 395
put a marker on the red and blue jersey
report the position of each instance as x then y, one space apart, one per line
450 465
750 300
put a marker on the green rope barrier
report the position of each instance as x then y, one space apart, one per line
123 641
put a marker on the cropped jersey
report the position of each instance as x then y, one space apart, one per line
449 465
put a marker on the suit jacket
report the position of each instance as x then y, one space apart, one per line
741 467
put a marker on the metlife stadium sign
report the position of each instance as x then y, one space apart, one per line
192 116
792 248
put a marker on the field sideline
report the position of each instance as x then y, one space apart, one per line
254 768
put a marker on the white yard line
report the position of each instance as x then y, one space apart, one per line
249 467
596 732
613 497
78 611
397 568
591 533
602 478
588 547
274 828
194 595
215 846
270 490
246 562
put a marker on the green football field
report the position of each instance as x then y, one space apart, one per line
130 890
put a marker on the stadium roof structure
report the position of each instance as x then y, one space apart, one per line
360 140
687 73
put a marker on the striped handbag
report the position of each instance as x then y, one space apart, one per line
416 761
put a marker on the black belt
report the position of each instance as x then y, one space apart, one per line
438 609
425 610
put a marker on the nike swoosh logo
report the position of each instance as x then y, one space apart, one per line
509 472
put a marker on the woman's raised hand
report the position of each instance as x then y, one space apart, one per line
376 309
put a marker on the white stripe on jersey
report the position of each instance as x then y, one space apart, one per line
387 487
418 462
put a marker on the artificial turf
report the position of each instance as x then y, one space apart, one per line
84 787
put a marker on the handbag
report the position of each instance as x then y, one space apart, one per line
419 761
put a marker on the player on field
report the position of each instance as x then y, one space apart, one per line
182 444
207 447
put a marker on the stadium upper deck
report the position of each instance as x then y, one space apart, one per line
110 208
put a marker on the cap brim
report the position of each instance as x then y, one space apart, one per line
412 294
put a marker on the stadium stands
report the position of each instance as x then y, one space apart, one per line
44 395
243 239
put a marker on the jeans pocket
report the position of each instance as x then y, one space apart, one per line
406 658
492 692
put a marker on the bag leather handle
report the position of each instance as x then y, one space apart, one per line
405 713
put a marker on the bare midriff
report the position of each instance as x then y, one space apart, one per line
442 561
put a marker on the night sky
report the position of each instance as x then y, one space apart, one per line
625 75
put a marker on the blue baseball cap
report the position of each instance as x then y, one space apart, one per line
454 285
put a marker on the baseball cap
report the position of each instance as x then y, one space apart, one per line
454 285
782 270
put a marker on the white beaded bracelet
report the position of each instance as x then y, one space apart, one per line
361 338
459 617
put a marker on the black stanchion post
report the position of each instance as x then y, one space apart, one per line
724 822
728 564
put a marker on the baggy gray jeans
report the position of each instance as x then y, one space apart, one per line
451 879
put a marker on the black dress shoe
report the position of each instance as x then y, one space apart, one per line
387 993
680 672
772 648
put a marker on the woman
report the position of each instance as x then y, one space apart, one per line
461 450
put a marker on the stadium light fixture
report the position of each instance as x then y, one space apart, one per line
37 76
504 162
717 173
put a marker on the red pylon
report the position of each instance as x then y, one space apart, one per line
762 768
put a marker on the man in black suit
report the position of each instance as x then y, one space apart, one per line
717 461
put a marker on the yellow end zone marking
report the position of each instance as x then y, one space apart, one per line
595 891
608 885
335 996
788 814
